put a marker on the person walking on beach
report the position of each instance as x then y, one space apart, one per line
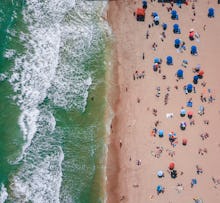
143 56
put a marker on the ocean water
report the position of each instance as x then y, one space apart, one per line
52 100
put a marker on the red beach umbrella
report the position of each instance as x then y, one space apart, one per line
201 73
171 166
190 113
184 141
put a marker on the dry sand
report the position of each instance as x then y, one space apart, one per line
133 121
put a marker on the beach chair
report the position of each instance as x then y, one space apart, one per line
185 63
201 110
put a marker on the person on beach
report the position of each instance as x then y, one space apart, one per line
147 34
143 56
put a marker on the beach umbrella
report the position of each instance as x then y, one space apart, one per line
160 133
164 25
160 174
174 15
144 4
191 35
190 114
173 174
184 141
189 87
197 68
159 189
193 50
154 14
201 73
177 43
195 79
179 73
169 60
211 12
182 112
176 28
156 18
182 125
156 60
171 165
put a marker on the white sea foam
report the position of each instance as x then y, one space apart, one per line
3 194
9 53
39 181
56 47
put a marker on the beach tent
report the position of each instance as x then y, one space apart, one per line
176 29
182 125
179 73
195 79
169 60
194 50
140 13
174 15
182 112
164 25
160 133
144 4
160 174
189 87
177 43
211 13
156 20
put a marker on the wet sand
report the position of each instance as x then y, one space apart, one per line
131 164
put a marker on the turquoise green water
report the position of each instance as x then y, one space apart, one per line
52 101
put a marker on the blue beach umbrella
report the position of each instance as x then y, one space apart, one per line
174 15
144 4
154 14
193 50
169 60
176 28
160 133
195 79
159 189
189 87
177 43
211 12
156 60
164 25
179 73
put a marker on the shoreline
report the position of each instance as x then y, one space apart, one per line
133 101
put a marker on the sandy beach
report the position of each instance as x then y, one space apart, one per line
147 102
